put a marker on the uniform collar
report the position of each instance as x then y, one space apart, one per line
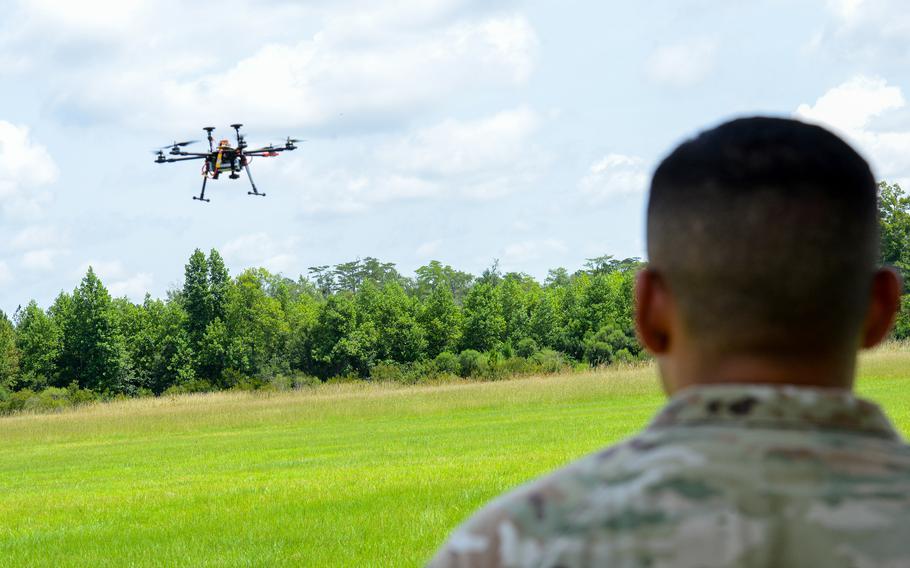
774 407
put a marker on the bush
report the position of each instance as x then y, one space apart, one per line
301 380
189 387
472 363
17 401
549 361
280 382
447 363
50 399
387 372
343 379
79 396
526 347
624 356
516 366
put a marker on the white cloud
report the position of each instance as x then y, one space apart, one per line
262 250
134 287
682 64
853 104
455 147
118 280
88 16
5 274
859 110
517 253
428 249
36 237
24 164
615 175
42 259
371 78
481 158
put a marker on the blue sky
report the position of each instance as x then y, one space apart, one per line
456 130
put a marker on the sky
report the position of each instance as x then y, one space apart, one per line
457 130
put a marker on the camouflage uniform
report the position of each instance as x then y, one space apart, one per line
723 476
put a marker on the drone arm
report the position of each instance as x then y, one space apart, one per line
185 159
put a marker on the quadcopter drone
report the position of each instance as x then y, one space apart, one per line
223 157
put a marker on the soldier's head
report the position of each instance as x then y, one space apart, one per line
763 246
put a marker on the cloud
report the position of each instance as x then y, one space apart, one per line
860 110
853 104
335 78
35 237
119 281
25 167
428 249
524 251
482 158
262 250
459 147
615 175
5 274
681 64
42 259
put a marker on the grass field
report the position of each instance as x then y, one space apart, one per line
344 475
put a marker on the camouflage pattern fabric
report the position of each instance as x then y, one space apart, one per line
723 476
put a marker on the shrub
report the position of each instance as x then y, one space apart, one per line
387 372
17 400
79 396
343 379
549 361
280 382
516 366
447 363
624 356
301 380
188 387
526 347
472 363
50 399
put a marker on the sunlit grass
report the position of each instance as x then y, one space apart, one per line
343 475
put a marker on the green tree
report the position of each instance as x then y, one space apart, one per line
9 353
483 322
197 299
92 352
441 320
38 338
219 283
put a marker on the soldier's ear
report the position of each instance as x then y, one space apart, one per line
653 306
884 303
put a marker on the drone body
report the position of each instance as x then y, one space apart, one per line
223 157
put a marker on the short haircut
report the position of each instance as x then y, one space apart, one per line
766 232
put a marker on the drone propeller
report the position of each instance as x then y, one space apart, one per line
178 144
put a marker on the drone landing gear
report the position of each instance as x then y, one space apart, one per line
252 183
201 196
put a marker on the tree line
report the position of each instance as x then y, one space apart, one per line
355 320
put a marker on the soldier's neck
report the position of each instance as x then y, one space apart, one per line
680 372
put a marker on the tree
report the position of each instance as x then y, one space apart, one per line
92 351
9 353
38 338
219 283
483 322
894 221
441 320
197 300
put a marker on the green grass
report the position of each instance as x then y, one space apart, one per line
346 475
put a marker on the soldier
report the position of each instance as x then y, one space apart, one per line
761 286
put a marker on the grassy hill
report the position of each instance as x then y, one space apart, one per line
353 475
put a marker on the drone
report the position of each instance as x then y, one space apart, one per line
223 157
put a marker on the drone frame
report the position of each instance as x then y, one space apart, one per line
239 158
